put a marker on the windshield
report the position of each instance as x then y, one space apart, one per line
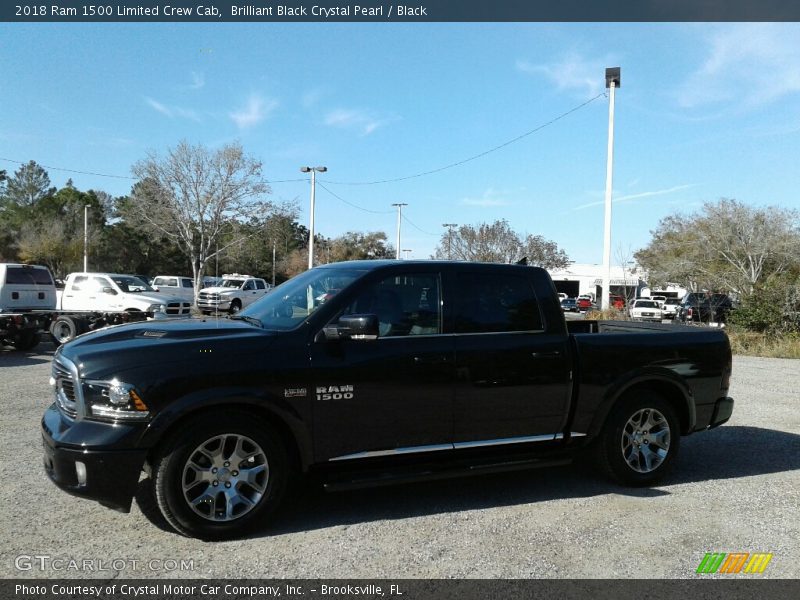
232 283
132 284
646 304
292 302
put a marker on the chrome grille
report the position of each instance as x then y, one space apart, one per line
179 308
66 397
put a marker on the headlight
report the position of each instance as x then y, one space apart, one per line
114 400
154 308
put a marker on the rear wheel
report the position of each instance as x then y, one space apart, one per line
27 339
640 439
221 477
65 329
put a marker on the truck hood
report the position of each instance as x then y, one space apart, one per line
219 290
152 297
135 345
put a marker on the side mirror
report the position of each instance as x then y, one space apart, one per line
353 327
108 290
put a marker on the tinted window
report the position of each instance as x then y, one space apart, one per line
28 276
495 302
187 283
405 304
260 284
250 285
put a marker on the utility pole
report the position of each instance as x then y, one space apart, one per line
449 238
86 238
313 171
273 263
612 83
399 206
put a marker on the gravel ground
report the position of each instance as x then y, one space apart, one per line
735 488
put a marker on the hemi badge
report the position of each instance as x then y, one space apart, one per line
295 393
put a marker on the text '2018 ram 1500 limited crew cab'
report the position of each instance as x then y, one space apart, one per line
371 372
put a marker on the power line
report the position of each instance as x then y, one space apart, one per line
376 212
476 156
407 220
19 162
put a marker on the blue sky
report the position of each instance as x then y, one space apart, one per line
705 111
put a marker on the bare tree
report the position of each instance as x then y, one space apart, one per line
499 243
726 246
191 194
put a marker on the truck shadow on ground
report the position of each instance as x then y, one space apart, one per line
724 453
11 357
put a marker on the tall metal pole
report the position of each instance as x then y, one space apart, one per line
399 206
612 82
311 222
449 239
273 263
86 238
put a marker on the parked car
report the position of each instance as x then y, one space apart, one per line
174 285
569 305
616 302
645 309
659 299
393 379
704 307
670 307
233 294
585 303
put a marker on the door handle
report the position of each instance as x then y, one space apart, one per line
549 354
430 360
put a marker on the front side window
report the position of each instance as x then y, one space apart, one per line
404 304
187 283
495 303
250 285
260 284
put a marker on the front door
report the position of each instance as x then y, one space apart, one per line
393 394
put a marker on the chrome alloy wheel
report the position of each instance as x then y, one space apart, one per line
225 477
645 440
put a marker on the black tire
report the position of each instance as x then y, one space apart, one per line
626 453
65 329
27 339
220 514
236 306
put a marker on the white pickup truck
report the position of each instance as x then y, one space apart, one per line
233 294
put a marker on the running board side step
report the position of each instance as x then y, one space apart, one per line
367 479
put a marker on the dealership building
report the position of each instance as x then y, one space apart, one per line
579 279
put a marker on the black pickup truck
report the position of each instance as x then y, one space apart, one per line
367 373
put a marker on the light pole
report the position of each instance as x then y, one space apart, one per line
399 206
86 238
612 83
313 171
449 238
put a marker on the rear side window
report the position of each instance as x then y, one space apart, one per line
28 276
495 303
187 283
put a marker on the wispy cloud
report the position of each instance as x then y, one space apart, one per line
490 197
198 81
311 98
361 120
639 196
748 65
172 111
253 112
573 73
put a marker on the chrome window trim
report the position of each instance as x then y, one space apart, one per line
551 437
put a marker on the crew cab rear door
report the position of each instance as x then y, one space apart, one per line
512 370
393 394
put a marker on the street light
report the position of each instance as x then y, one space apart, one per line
399 206
86 238
449 238
313 171
612 82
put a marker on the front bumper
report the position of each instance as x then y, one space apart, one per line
108 476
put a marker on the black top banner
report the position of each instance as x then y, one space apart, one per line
214 11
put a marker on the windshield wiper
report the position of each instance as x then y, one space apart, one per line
248 319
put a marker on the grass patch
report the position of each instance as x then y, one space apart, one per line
612 314
769 345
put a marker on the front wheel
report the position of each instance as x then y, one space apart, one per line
221 477
640 439
236 306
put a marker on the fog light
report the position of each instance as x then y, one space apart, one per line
80 471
